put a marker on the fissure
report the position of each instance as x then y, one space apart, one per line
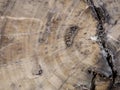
101 15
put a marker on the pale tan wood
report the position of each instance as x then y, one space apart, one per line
33 50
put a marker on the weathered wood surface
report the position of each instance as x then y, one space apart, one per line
59 45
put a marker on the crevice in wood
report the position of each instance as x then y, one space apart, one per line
93 81
102 16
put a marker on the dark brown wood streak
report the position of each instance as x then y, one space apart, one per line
70 34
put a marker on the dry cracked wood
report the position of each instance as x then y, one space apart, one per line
59 45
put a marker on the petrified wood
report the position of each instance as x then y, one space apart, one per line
59 45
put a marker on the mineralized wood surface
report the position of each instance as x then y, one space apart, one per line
54 45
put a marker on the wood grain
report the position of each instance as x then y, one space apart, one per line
54 45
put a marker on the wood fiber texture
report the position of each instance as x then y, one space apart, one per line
59 45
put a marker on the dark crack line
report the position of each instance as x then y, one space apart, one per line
101 15
93 81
